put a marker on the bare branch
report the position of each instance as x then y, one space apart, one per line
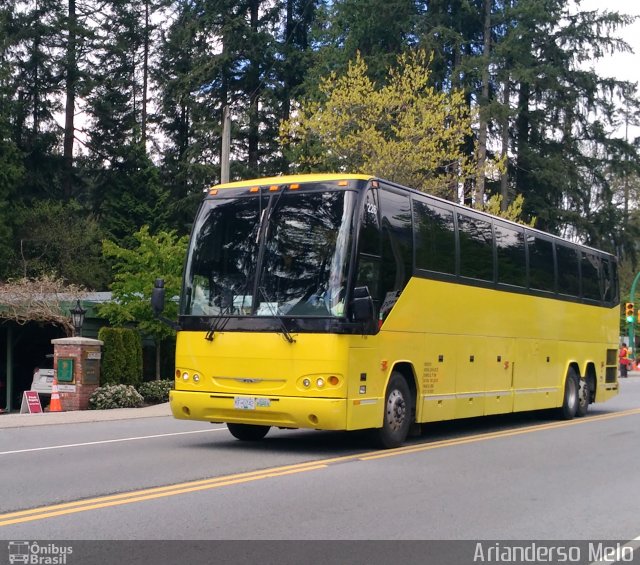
45 299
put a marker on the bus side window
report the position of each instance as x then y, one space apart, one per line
368 273
568 270
476 247
397 244
512 259
541 263
591 276
435 238
609 278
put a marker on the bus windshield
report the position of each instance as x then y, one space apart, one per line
284 255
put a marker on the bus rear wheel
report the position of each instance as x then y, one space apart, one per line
584 397
398 413
248 432
571 396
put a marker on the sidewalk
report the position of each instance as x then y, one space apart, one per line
14 420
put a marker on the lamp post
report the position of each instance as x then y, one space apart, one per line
77 318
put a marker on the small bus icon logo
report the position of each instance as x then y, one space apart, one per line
18 552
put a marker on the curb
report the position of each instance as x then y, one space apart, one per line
82 416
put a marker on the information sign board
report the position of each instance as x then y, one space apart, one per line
30 403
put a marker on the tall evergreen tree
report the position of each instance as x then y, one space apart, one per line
126 189
37 86
379 30
11 168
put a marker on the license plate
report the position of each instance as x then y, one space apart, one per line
250 403
244 402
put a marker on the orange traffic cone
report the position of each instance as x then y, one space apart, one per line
55 405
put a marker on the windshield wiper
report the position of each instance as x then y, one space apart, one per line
283 328
217 325
221 320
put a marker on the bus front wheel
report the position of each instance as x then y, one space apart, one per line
248 432
398 413
571 396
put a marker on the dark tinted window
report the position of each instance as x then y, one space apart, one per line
608 272
222 256
397 240
370 231
397 248
591 268
568 273
306 253
435 238
476 248
368 273
512 265
541 272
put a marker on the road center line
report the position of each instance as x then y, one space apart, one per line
13 452
44 512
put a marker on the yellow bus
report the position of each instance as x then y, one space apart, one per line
347 302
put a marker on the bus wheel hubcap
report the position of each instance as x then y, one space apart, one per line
396 410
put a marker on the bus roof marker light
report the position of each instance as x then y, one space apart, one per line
213 191
254 189
294 186
343 183
274 188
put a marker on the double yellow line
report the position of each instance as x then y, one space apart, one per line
64 509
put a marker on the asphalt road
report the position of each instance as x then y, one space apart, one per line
520 477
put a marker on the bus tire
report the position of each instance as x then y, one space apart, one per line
584 397
248 432
570 402
398 413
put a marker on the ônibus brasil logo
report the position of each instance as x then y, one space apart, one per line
34 553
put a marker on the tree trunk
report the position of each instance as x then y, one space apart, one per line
504 180
158 358
478 198
522 138
145 73
254 86
70 103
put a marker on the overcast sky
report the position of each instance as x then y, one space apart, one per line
623 66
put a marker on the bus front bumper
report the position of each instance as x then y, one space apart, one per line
279 411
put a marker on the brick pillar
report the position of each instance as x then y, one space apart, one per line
76 363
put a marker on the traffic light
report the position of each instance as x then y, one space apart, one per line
629 312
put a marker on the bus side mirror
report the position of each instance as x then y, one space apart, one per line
362 305
157 297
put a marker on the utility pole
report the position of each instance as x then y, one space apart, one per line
226 144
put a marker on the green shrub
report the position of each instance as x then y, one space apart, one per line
132 345
115 396
113 362
121 356
156 392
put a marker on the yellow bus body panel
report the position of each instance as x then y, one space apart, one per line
469 351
